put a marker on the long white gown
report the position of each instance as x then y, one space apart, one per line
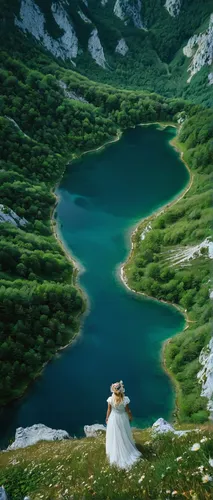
120 447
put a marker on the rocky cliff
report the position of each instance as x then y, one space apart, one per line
110 30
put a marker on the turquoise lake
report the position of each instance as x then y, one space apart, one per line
102 197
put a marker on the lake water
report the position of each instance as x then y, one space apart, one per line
102 196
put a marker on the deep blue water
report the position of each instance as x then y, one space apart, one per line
102 196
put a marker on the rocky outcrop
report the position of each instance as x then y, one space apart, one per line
129 10
83 17
121 47
96 50
32 20
68 41
8 215
161 426
70 94
3 494
205 375
210 78
32 435
17 126
173 7
185 254
145 231
93 430
200 49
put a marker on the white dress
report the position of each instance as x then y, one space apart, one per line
120 447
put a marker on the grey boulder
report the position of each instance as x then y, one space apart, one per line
93 430
31 435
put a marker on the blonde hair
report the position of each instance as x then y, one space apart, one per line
118 397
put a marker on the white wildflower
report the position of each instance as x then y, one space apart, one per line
179 458
200 468
174 493
206 478
211 462
141 478
204 439
195 447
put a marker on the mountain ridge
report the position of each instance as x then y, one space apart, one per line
160 46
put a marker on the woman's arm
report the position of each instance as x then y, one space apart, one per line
128 412
108 412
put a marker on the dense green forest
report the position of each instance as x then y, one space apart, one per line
49 115
154 267
154 61
41 128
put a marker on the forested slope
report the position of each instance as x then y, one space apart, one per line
41 128
171 261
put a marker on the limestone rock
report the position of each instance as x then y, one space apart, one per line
92 430
161 426
8 215
3 494
31 435
121 47
173 7
210 78
70 94
200 49
96 50
205 375
129 10
32 20
83 17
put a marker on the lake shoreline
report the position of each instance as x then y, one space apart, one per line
138 228
78 269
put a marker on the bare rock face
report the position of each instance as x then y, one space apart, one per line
129 10
93 430
210 78
83 17
8 215
3 494
32 20
200 49
121 47
34 434
96 50
205 375
173 7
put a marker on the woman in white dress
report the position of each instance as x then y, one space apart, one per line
120 447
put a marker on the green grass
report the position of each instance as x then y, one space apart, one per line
78 469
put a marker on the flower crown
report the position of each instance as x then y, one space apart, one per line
118 387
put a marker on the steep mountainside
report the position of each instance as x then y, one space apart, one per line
163 46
